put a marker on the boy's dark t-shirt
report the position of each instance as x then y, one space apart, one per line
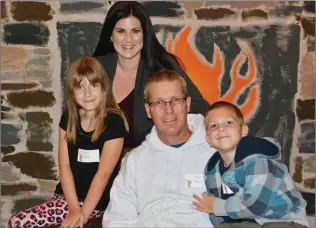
225 195
84 172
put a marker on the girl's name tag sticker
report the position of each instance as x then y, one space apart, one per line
88 155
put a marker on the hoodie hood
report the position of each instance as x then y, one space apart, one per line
196 123
251 146
248 146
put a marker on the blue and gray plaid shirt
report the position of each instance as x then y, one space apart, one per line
264 190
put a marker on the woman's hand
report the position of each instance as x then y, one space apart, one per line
74 219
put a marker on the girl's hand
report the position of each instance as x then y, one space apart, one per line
204 204
85 220
73 219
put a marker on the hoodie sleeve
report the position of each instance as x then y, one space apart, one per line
122 208
257 197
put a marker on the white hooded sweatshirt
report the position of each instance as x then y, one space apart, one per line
155 184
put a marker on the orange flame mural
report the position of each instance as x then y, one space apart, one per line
207 76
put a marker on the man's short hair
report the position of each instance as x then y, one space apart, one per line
164 75
225 104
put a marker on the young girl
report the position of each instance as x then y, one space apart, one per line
91 137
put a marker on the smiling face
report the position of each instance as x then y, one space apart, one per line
87 95
171 119
127 37
224 129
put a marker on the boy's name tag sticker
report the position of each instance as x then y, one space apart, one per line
194 180
226 189
88 155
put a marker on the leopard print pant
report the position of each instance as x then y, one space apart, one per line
50 213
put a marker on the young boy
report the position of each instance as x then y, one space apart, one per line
247 184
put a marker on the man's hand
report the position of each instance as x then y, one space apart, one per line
204 204
74 219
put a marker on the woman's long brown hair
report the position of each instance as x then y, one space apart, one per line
91 68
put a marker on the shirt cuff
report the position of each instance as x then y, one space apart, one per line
219 207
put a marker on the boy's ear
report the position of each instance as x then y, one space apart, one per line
244 130
208 139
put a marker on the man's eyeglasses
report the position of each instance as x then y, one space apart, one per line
160 104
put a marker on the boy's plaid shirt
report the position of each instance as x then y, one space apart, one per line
263 187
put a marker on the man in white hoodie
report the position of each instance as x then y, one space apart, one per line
157 179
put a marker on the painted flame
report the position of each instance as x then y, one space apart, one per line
208 76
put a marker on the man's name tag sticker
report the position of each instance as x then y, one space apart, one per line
87 156
194 180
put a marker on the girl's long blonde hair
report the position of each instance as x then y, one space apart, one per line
91 68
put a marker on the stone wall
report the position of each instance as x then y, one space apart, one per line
259 55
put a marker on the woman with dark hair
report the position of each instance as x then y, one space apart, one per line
130 52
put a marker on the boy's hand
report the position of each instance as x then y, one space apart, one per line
204 204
